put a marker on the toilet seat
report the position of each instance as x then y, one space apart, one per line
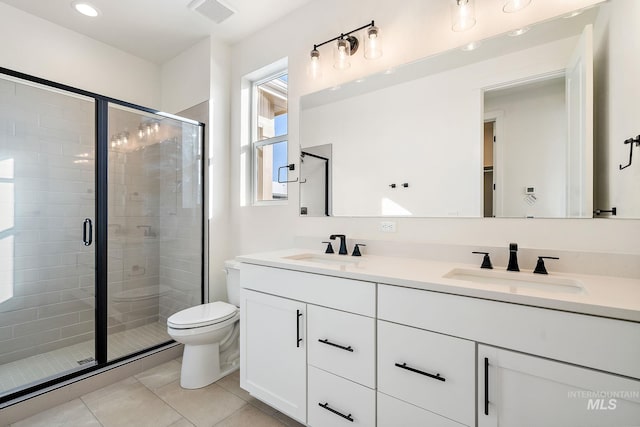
202 315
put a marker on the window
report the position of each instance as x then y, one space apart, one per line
269 138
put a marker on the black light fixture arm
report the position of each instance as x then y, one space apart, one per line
343 35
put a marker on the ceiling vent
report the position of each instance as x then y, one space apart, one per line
212 9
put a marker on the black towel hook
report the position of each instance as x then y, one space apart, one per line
631 141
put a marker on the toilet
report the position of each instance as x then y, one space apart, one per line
210 334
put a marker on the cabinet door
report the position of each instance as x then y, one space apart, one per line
515 389
273 352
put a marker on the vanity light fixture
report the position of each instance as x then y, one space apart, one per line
86 9
511 6
346 45
463 16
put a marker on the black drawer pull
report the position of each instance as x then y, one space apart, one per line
486 386
417 371
327 342
298 339
326 406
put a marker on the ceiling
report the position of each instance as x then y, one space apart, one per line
158 30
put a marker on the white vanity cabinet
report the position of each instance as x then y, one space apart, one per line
516 389
335 351
273 344
308 345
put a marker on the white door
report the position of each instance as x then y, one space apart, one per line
518 390
579 92
273 352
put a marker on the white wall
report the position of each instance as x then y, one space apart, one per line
617 107
410 33
220 234
201 74
186 79
38 47
532 137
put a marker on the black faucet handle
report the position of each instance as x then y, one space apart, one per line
356 249
540 268
486 261
513 246
329 249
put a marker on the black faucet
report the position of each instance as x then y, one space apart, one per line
513 257
343 243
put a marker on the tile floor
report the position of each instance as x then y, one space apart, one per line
154 398
35 368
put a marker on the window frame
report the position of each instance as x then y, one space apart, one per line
255 145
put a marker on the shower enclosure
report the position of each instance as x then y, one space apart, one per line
101 230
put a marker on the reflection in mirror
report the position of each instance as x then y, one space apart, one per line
315 180
530 169
422 124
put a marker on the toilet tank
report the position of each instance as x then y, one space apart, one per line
232 268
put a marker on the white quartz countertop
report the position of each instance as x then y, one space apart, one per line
606 296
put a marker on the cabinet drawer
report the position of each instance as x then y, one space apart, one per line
334 401
355 296
433 371
393 413
543 332
342 343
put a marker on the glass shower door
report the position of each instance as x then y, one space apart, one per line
155 226
47 213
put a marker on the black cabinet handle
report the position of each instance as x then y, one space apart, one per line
87 232
298 339
486 386
340 414
327 342
417 371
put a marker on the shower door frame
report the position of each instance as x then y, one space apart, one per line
101 232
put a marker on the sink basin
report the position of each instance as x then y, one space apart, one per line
325 259
517 280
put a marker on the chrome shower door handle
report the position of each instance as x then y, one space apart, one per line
87 232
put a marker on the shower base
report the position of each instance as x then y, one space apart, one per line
17 374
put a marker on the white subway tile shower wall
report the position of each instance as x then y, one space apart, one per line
47 189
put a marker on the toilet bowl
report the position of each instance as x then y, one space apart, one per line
210 334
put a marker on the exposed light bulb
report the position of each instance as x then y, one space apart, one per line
313 69
462 15
511 6
372 44
342 53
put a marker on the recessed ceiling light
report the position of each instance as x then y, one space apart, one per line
85 8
